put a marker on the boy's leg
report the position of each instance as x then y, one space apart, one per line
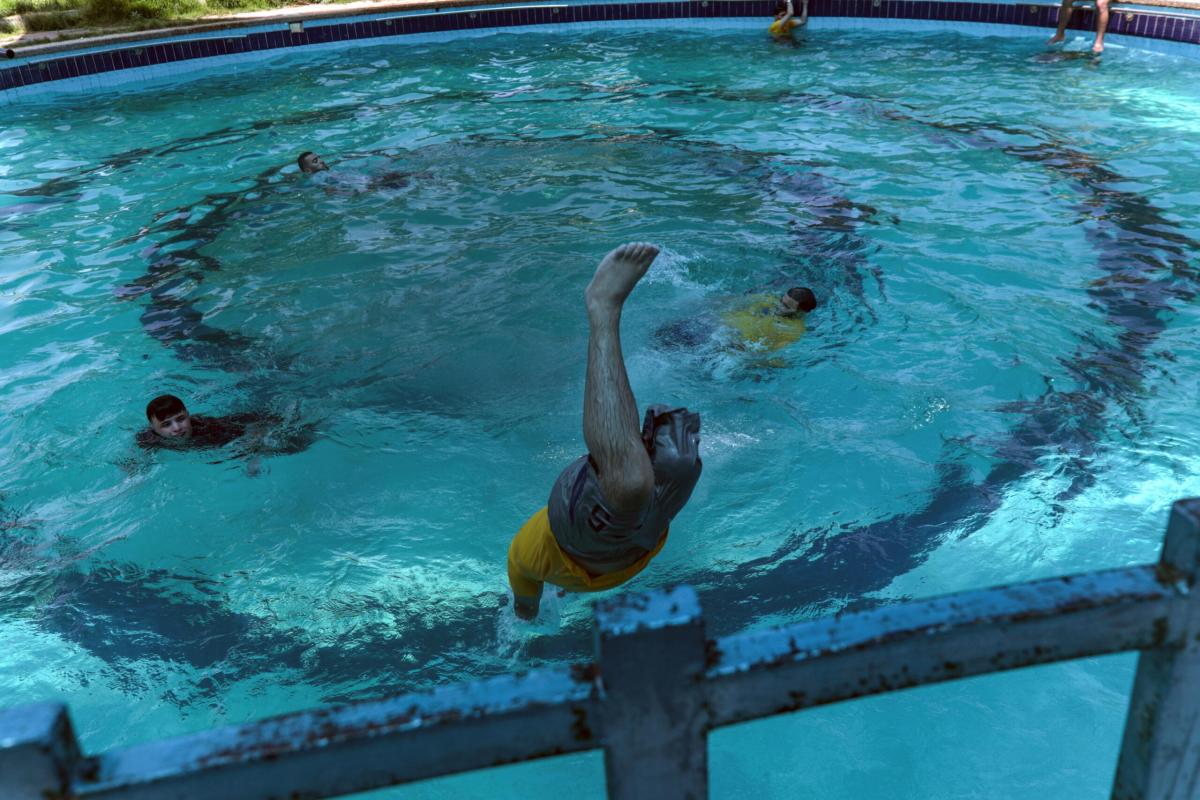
1064 17
1101 25
611 427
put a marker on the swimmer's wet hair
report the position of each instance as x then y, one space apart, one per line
163 406
301 157
803 297
780 7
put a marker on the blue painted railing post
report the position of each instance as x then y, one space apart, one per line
1160 756
38 752
651 651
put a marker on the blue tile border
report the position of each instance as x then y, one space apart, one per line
1152 25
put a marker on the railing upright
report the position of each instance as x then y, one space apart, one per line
652 660
1160 754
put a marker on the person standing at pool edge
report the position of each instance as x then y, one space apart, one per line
609 511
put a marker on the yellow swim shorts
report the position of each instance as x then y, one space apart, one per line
534 558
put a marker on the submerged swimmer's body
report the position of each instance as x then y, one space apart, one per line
609 511
310 164
771 322
759 323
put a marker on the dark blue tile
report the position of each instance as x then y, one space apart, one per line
1191 32
6 78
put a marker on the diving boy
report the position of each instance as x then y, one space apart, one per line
609 511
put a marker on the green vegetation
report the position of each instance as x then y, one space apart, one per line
21 16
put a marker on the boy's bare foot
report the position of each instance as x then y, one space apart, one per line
1055 39
617 274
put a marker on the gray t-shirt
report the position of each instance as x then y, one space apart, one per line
602 541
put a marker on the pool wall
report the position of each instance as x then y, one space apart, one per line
35 74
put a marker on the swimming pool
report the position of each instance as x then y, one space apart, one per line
998 385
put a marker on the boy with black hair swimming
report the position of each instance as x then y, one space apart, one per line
173 426
310 163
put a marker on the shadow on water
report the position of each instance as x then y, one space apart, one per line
124 614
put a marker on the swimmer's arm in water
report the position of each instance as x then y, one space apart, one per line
526 591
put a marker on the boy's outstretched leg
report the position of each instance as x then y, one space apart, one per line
611 427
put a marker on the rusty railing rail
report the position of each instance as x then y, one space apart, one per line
658 685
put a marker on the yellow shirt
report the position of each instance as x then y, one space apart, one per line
777 28
762 327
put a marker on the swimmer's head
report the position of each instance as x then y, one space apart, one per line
309 162
797 299
781 8
169 417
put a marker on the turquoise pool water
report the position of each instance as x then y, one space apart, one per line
1000 383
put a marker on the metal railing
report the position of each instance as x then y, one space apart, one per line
658 685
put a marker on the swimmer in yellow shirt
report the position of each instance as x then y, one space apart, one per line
785 20
609 511
768 323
